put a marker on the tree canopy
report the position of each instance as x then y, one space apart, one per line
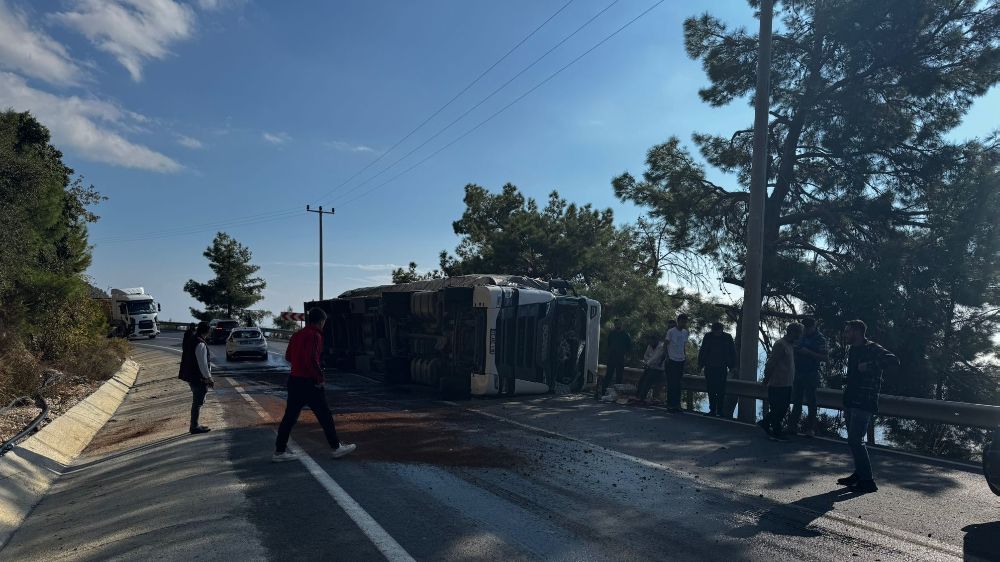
873 210
234 289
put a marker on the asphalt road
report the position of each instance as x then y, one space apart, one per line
551 478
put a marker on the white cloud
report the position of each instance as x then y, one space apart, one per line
88 126
32 51
216 5
349 147
276 138
131 30
188 142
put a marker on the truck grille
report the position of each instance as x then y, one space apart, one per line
145 324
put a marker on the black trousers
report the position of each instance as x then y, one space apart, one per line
303 392
804 393
675 371
198 392
649 379
615 372
715 381
778 398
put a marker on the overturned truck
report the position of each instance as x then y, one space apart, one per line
474 335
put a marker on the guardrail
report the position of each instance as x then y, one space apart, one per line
13 441
923 409
274 333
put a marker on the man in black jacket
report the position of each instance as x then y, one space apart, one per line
619 344
196 370
866 363
717 356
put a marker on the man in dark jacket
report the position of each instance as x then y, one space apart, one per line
196 370
619 344
716 356
866 363
810 352
306 388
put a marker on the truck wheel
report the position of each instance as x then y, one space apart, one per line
152 337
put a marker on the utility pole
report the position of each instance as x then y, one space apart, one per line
750 320
320 212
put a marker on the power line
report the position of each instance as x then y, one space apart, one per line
484 100
449 102
184 229
504 108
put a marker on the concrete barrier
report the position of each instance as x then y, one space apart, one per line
29 469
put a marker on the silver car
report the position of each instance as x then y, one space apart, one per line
245 342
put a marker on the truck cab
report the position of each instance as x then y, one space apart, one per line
132 313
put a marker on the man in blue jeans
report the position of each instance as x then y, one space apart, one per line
866 363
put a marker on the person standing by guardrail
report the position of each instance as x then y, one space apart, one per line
196 370
779 372
619 344
811 350
867 361
652 362
306 388
677 338
716 356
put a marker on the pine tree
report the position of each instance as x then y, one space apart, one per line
234 289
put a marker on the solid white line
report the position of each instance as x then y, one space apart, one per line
897 534
382 540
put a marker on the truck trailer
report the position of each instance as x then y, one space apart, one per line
476 335
131 313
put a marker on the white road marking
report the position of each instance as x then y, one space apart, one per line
382 540
832 520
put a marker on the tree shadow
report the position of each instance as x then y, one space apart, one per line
982 542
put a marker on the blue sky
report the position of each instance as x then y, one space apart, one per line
235 114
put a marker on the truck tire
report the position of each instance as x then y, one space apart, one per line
152 337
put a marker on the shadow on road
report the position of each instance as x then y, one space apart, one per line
982 542
795 519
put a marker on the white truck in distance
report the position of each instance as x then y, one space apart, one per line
131 313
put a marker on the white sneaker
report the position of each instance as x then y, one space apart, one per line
343 450
282 457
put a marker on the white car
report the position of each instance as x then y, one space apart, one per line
246 342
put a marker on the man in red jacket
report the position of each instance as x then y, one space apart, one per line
305 387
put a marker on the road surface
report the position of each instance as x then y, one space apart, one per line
544 478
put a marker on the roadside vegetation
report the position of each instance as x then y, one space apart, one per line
48 318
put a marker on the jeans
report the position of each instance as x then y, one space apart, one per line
675 370
615 372
304 392
715 381
778 398
857 429
650 378
198 392
803 391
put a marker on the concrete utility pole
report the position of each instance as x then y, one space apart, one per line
755 222
320 212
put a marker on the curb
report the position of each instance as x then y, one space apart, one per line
29 469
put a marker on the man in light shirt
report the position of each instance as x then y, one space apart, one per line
676 340
196 370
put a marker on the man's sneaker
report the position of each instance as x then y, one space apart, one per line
200 429
343 450
848 480
765 426
864 487
283 456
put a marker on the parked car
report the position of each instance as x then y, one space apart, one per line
218 330
246 342
991 463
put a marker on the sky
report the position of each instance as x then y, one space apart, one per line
206 115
